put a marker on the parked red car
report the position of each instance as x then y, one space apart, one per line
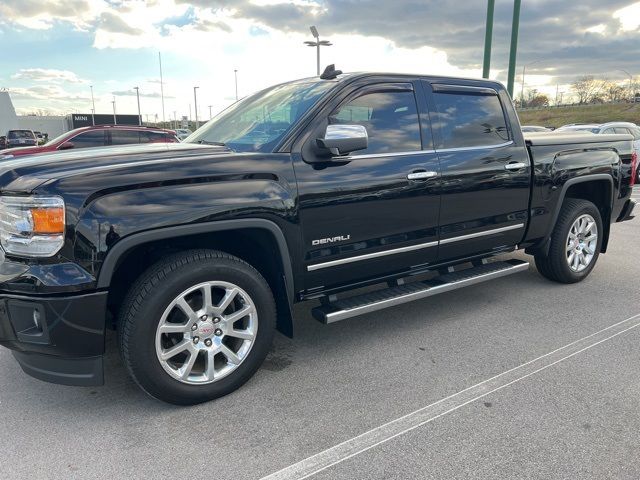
97 136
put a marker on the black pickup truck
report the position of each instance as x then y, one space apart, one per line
195 252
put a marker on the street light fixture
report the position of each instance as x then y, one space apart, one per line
235 72
524 71
317 43
93 110
195 105
137 89
630 82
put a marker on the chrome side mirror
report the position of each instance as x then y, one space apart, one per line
344 139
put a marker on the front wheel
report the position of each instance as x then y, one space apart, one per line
575 243
196 326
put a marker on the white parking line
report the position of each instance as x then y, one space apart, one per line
379 435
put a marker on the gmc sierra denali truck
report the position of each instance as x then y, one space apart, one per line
195 252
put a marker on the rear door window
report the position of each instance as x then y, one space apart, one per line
125 137
154 137
622 130
469 119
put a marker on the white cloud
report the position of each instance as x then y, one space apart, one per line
47 75
629 17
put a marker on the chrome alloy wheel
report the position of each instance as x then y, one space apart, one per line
582 243
206 332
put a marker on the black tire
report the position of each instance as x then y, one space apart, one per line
554 265
149 297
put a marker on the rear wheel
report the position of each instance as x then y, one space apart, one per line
575 243
196 326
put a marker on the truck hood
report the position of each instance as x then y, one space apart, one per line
23 174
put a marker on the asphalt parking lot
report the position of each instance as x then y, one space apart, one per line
516 378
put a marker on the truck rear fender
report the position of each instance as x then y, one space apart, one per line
598 189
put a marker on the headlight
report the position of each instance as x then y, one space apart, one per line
31 226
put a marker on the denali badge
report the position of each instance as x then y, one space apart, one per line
323 241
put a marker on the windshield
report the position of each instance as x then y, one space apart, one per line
13 134
258 123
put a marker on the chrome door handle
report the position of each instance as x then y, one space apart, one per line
515 166
422 175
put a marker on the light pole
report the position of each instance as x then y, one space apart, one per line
515 27
161 85
93 110
195 105
317 43
488 39
524 71
210 117
630 82
115 120
137 89
235 72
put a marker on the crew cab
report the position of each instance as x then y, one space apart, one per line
195 252
95 136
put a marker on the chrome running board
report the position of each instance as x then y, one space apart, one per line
371 302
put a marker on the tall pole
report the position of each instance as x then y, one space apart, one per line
189 119
195 105
514 45
161 85
488 39
115 120
557 92
524 71
210 117
235 72
318 57
631 92
137 89
93 109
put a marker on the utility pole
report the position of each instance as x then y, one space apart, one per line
161 85
488 39
93 110
514 45
557 92
235 72
138 98
115 120
210 112
195 105
524 71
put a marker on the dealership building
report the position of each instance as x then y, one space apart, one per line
54 125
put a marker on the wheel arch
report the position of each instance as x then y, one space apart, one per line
586 188
230 236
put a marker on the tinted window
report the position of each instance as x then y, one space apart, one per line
93 138
124 137
154 137
469 120
391 120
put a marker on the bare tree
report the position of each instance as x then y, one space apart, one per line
587 88
613 92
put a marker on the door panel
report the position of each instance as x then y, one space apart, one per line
486 177
361 216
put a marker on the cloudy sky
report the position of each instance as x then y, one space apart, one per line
53 50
